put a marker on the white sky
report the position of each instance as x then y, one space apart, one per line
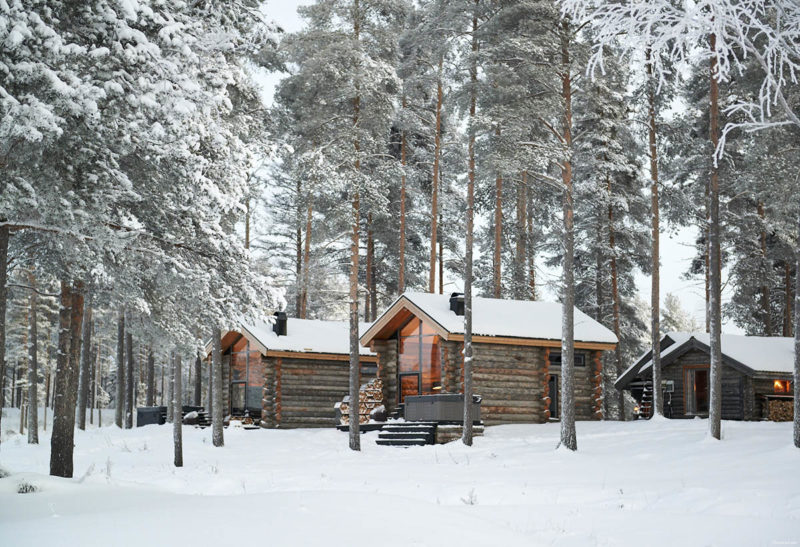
677 249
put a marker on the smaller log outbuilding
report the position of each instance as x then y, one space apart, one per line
756 376
419 341
289 373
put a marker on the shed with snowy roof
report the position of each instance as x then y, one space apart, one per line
756 376
289 372
419 341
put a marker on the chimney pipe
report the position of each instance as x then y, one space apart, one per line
279 326
457 303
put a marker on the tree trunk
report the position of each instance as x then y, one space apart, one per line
765 296
655 234
130 381
306 260
46 399
150 394
401 281
98 382
440 258
64 405
437 154
531 249
4 237
247 223
177 411
618 400
787 306
353 421
171 388
568 434
796 378
33 368
369 309
216 402
198 373
466 436
521 255
86 350
119 411
298 243
497 265
715 305
210 383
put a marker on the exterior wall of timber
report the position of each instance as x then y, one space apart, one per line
511 379
740 393
302 392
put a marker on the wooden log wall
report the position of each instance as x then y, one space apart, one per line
738 401
269 400
510 381
387 371
597 381
546 395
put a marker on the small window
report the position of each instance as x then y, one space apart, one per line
555 359
782 386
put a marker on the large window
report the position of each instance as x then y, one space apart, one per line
246 378
418 363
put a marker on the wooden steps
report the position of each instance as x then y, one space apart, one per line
406 434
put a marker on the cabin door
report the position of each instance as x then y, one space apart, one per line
409 385
697 396
552 385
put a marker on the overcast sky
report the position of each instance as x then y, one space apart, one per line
676 249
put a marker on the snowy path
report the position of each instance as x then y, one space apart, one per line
638 483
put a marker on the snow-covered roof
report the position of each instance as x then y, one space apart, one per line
757 353
502 318
305 336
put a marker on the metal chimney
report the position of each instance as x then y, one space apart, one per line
279 326
457 303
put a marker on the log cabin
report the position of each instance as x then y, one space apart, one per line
756 377
289 373
419 343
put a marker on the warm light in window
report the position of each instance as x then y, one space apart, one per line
782 386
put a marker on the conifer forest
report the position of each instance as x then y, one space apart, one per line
173 170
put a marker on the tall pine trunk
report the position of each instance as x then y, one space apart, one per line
531 248
370 300
70 323
86 351
119 411
787 307
198 377
298 244
765 296
497 258
4 237
655 264
568 433
466 436
306 260
216 384
521 254
177 411
796 378
437 153
401 280
150 391
618 401
130 381
170 388
715 305
353 420
33 369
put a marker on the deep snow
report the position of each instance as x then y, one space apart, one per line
636 483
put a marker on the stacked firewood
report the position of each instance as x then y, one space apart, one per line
781 411
370 396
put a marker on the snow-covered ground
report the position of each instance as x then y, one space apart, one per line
630 484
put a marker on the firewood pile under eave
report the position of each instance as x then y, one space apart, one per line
780 411
370 397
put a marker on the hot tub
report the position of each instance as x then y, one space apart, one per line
442 408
